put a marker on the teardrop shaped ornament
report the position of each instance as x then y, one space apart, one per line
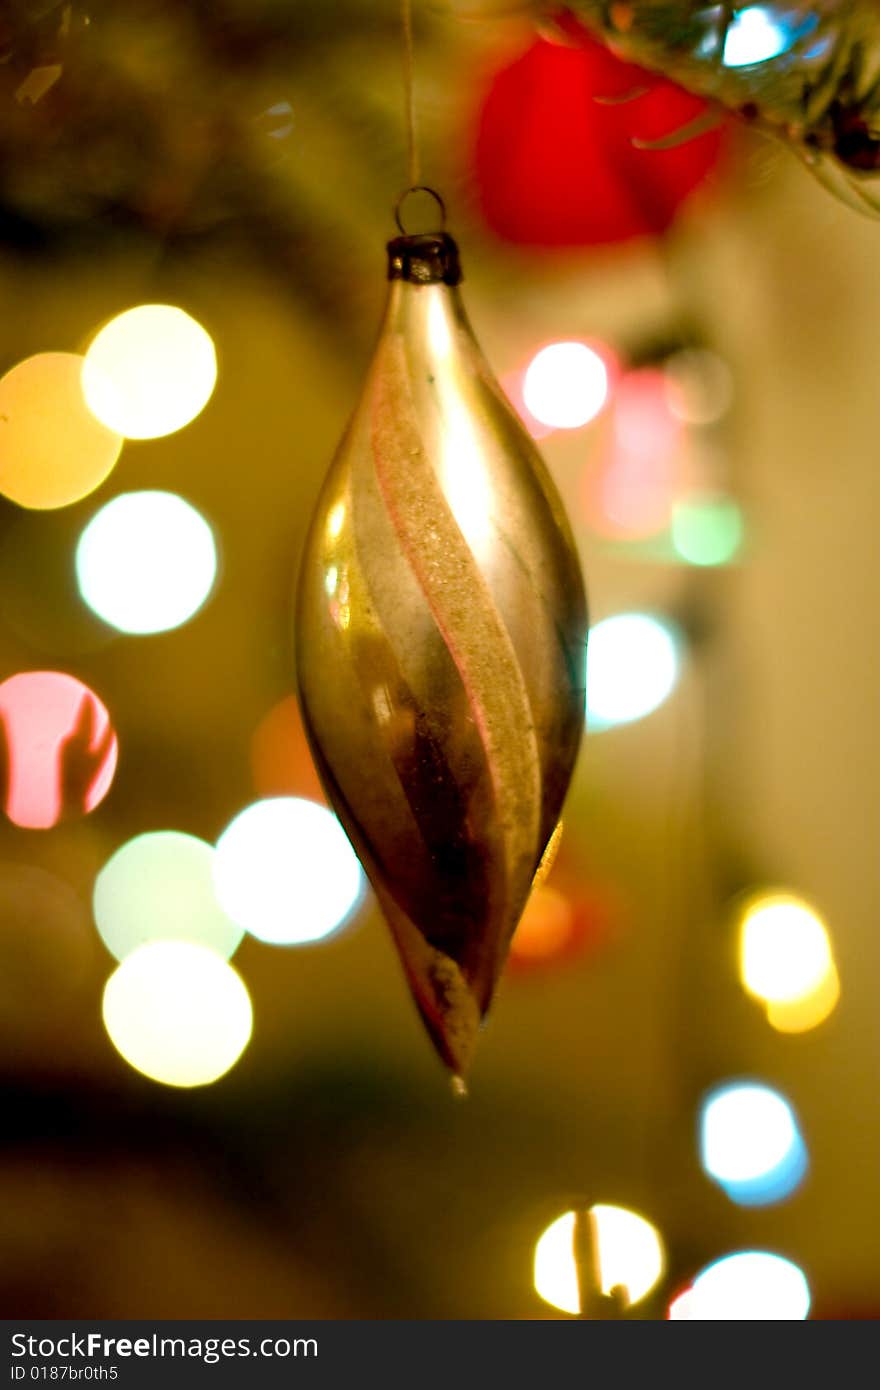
441 636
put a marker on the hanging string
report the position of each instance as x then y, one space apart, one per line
412 153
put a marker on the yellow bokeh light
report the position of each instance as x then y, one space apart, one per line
630 1256
785 952
178 1013
149 371
52 449
799 1015
786 961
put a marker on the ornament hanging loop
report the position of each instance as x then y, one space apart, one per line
432 193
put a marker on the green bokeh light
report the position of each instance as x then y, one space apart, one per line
707 530
160 886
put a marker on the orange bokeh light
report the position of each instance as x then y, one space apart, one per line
281 761
799 1015
547 927
567 917
52 449
58 751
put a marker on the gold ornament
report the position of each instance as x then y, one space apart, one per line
441 634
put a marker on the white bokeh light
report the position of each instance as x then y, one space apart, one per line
285 871
754 36
749 1286
630 1256
178 1013
632 666
565 385
149 371
160 886
146 562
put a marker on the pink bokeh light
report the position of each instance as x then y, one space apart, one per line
630 490
58 749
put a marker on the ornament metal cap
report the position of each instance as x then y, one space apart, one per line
425 258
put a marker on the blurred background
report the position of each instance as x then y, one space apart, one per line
687 1029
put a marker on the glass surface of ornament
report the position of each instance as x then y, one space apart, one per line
441 629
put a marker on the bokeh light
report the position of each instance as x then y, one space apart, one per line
750 1143
566 385
563 919
629 491
281 761
149 371
285 871
547 929
749 1286
785 950
786 961
755 36
277 120
633 665
178 1013
160 886
146 562
699 386
58 750
799 1015
52 449
707 530
630 1256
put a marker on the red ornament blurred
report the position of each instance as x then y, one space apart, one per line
556 167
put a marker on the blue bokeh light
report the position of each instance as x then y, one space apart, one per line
751 1144
759 33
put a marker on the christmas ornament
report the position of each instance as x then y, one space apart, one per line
441 633
556 158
